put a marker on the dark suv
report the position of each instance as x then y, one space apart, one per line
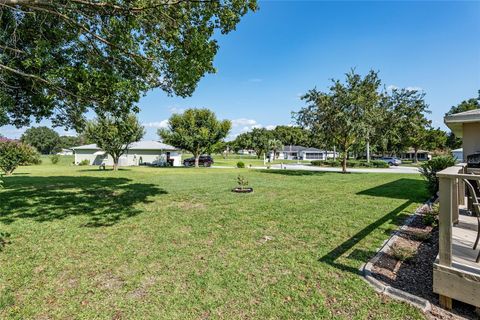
203 161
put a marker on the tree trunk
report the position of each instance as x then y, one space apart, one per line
334 153
368 151
115 164
344 162
197 160
415 159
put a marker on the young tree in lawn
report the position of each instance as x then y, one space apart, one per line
114 135
196 130
275 145
103 56
14 154
341 113
44 139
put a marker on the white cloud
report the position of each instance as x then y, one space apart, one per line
175 109
391 87
414 89
270 127
156 124
243 122
12 132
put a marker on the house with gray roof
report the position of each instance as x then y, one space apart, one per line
138 153
292 152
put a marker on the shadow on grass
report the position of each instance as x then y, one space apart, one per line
288 172
411 190
105 201
102 170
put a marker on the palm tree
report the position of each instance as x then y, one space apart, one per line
275 145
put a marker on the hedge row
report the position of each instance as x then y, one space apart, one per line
351 163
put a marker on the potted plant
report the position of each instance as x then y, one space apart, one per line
242 185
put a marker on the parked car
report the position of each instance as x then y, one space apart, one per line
392 161
204 161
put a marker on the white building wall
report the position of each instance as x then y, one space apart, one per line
131 158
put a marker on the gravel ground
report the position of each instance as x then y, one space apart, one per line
419 244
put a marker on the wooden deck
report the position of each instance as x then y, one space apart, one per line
461 280
463 237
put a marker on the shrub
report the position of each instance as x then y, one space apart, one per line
379 164
351 163
84 162
242 182
429 219
14 154
430 168
55 158
402 253
240 164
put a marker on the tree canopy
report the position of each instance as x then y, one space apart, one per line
44 139
196 130
59 59
114 135
343 111
292 135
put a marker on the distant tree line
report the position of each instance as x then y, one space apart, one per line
48 141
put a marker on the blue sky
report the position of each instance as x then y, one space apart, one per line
289 47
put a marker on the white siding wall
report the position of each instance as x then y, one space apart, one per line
132 158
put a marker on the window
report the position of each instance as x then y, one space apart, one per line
313 156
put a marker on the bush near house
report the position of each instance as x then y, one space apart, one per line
351 163
430 168
240 164
55 158
84 162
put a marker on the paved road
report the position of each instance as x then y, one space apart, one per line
400 169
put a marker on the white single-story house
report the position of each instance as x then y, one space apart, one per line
65 152
422 155
246 152
303 153
139 153
458 154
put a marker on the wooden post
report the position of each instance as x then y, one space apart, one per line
445 302
455 210
461 192
445 230
445 222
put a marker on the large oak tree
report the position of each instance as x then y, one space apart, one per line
196 130
342 113
59 59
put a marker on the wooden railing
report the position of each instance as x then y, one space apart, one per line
452 195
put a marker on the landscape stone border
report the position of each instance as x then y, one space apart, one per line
380 287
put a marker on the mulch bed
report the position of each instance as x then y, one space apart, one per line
408 267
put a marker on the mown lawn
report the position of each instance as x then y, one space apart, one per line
159 243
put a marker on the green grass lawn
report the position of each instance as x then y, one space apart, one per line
163 243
